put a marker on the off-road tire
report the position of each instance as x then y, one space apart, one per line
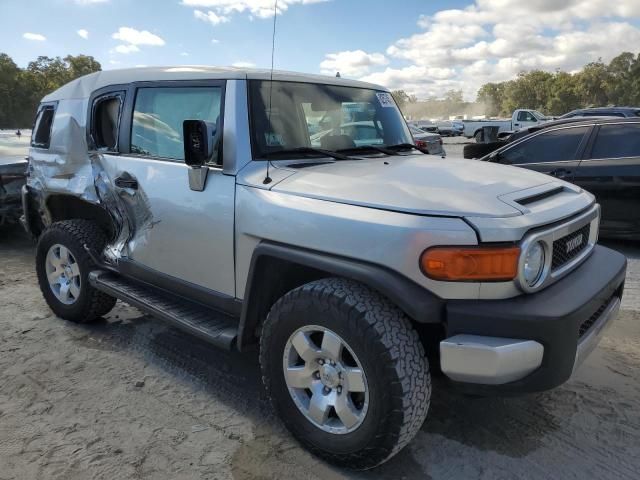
479 150
391 355
74 234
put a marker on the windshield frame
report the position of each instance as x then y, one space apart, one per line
256 155
538 115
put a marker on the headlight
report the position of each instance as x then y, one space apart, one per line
533 263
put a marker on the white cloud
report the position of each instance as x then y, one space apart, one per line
137 37
211 17
215 40
34 36
256 8
83 33
493 40
89 2
243 65
126 49
184 54
351 62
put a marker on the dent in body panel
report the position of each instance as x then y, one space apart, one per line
67 168
390 239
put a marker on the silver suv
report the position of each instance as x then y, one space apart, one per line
355 265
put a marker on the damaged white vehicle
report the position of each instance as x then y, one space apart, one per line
355 265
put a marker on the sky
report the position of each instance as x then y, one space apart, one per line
425 47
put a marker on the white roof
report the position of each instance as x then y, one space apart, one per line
83 87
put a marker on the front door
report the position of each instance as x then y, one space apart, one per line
555 152
175 231
524 119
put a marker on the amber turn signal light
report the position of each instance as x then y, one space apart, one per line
470 264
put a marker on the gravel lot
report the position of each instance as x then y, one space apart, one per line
129 397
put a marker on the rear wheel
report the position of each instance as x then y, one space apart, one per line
63 267
346 372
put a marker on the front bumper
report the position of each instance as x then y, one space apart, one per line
533 342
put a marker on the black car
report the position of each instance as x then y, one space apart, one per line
600 155
625 112
13 172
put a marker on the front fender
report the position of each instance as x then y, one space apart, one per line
277 268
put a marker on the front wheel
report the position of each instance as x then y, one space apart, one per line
345 371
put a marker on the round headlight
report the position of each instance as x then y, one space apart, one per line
533 264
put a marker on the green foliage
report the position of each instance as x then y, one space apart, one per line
401 97
22 89
596 85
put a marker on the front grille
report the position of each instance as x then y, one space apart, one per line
568 247
588 323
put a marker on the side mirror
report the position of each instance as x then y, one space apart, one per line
199 139
199 145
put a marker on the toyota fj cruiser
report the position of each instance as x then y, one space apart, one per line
196 195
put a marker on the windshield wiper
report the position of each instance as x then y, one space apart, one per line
403 146
307 150
362 148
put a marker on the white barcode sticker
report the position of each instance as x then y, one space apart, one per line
385 99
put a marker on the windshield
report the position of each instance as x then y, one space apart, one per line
538 115
326 117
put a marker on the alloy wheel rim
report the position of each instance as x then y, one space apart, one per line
325 379
63 274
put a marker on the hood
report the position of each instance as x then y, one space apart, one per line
418 184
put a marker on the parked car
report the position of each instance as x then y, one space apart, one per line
430 142
448 128
479 150
521 118
601 155
424 125
627 112
13 173
196 196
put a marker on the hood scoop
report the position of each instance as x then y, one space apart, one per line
541 196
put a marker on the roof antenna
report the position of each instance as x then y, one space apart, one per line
268 179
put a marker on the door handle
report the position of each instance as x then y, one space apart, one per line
126 181
560 173
516 124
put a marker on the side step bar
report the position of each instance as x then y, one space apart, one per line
203 322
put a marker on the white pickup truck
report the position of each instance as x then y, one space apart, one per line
521 118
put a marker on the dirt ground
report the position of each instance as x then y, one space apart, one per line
129 397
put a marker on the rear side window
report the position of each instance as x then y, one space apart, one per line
41 136
105 121
617 141
553 146
159 113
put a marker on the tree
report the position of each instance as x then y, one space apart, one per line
596 85
81 65
622 83
401 97
21 90
491 95
9 72
592 84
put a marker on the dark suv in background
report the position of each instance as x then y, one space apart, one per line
626 112
601 155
